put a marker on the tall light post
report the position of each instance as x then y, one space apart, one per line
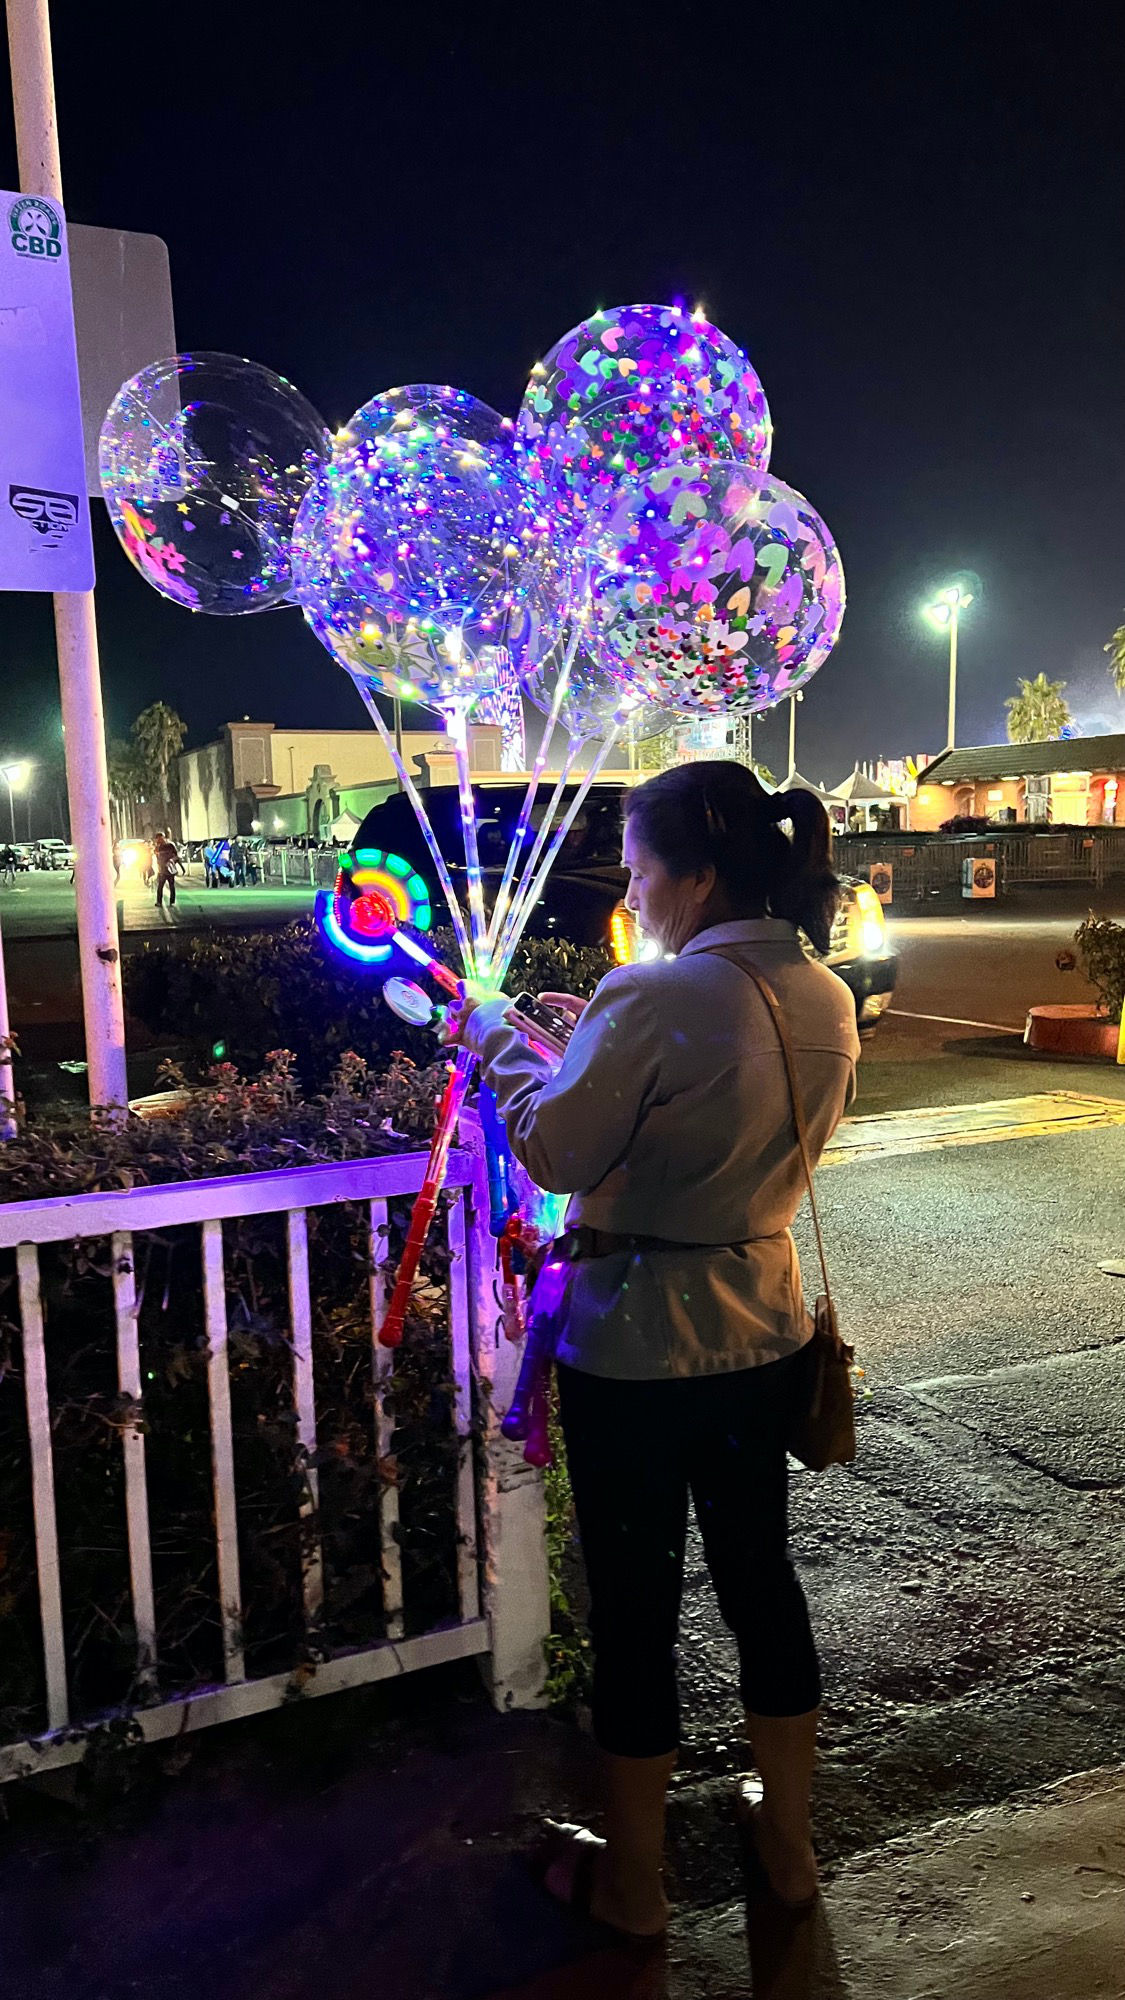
793 700
945 610
16 777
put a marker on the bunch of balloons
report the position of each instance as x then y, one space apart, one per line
621 544
620 551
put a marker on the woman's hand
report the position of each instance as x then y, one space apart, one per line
460 1011
540 1037
567 1003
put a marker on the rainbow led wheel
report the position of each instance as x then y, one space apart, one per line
376 896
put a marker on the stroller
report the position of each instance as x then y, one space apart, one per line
217 870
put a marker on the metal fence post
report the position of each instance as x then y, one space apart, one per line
513 1515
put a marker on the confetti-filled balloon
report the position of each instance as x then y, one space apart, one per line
713 588
633 389
409 557
204 461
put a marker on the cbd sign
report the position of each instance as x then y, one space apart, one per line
36 227
44 520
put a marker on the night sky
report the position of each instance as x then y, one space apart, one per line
912 219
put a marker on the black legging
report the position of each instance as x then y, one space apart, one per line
635 1450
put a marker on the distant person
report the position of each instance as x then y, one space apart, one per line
146 863
8 864
238 863
116 862
167 861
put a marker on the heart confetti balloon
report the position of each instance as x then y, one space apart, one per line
713 588
630 390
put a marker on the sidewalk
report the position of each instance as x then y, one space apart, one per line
1023 1903
373 1849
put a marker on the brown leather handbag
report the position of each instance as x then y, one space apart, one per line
823 1433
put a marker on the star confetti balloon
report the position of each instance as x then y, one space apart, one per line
409 556
714 589
204 461
630 390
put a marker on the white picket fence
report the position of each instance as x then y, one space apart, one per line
502 1584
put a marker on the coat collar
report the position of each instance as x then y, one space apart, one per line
745 930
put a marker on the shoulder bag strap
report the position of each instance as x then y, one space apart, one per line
783 1036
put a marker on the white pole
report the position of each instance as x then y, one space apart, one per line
952 676
792 737
76 636
7 1082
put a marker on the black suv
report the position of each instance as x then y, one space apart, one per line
587 882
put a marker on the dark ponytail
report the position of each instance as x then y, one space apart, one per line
717 814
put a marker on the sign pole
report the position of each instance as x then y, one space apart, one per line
99 949
8 1127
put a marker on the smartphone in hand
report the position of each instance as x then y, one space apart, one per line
553 1022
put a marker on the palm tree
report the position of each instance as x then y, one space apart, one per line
127 783
158 734
1038 713
1116 651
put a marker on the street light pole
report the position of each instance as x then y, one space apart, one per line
76 633
946 609
952 733
11 803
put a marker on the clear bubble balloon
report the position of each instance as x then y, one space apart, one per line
204 461
630 390
409 560
420 413
714 589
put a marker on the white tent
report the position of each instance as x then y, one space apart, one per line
344 829
864 798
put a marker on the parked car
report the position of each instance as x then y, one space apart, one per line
583 899
53 854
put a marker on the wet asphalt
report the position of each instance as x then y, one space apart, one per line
967 1576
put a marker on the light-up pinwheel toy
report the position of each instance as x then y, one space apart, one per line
373 916
622 548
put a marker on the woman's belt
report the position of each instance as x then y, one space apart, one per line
584 1242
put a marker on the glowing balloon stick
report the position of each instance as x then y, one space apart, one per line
542 836
517 922
456 722
540 765
504 893
453 1097
413 794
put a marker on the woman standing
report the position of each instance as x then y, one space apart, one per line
681 1361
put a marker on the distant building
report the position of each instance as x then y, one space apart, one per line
308 781
1075 781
